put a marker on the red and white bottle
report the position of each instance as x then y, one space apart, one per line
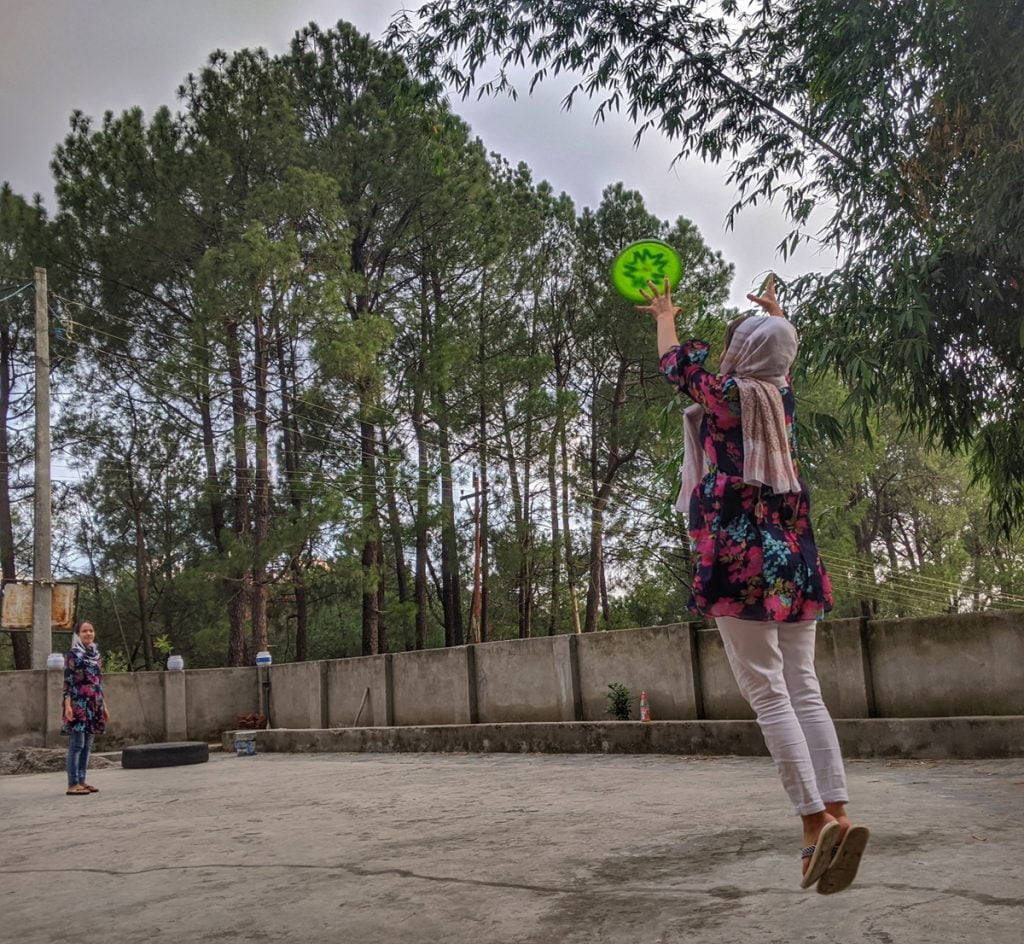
645 707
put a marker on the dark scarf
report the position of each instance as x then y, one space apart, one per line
87 656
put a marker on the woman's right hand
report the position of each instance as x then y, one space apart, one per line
659 306
69 712
661 309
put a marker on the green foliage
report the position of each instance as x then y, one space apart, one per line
114 661
619 701
317 326
899 123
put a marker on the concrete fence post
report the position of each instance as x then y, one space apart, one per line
54 682
869 682
695 671
325 695
574 677
471 688
389 692
175 708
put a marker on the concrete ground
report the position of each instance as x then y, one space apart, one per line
524 849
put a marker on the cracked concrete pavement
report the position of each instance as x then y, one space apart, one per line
524 849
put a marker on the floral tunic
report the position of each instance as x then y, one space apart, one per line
754 552
82 686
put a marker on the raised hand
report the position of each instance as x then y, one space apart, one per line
768 301
659 306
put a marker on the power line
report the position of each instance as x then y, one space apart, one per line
933 586
16 292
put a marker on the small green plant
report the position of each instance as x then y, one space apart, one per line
618 701
114 661
163 645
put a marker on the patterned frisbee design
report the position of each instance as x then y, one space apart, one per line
646 260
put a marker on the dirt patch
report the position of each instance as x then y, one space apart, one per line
37 760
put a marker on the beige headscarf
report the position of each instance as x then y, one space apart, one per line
759 358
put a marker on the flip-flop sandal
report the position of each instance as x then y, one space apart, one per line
820 853
842 870
72 792
91 788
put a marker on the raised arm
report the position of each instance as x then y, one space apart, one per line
661 309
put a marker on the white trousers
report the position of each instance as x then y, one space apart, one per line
774 667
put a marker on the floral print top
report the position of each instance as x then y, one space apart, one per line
753 550
82 686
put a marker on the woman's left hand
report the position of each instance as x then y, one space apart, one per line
106 715
768 301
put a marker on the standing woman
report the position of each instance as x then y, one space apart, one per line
85 713
756 567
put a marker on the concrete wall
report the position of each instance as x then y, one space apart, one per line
841 663
24 714
136 704
214 698
297 695
347 683
940 667
839 659
655 659
525 680
943 666
720 697
432 686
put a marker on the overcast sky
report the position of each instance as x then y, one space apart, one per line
97 55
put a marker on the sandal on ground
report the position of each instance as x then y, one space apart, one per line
77 791
820 853
91 788
842 870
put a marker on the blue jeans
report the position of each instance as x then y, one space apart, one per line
79 745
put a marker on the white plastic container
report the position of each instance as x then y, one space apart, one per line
55 660
263 657
175 663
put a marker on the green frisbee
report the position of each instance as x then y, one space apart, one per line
646 260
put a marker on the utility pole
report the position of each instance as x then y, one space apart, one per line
42 583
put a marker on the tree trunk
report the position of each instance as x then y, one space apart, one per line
422 473
371 529
382 623
395 527
596 563
526 540
451 594
570 575
301 611
485 554
474 606
516 491
483 481
261 489
394 522
597 596
290 448
238 653
420 524
554 615
141 568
